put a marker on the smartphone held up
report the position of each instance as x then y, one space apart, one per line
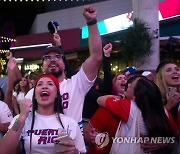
172 91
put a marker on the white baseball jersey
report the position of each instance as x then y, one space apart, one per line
73 92
5 115
46 130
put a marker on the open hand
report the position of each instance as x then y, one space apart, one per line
11 64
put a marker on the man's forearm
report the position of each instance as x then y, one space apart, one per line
10 141
95 43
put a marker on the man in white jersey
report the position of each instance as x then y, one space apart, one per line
73 90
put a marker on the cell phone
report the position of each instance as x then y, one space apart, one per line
172 90
57 143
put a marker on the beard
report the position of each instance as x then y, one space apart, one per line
56 73
54 69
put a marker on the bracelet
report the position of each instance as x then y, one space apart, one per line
16 125
93 22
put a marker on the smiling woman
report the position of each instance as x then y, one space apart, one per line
168 75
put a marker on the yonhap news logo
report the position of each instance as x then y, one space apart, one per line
102 140
164 140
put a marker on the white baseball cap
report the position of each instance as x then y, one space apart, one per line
146 73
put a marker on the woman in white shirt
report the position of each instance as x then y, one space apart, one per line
19 95
39 128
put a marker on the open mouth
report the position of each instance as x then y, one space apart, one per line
44 95
175 77
123 85
52 66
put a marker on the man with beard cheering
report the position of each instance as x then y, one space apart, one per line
73 90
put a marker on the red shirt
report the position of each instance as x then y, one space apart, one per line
121 107
173 125
104 121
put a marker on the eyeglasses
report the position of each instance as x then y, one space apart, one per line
56 57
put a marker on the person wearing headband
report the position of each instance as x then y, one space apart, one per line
39 129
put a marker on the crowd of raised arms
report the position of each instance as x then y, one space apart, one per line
133 112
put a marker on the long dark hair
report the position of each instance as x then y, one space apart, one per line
57 109
2 94
149 100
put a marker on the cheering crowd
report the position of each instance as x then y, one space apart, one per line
132 103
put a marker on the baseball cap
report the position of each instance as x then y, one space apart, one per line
130 70
146 73
52 49
53 27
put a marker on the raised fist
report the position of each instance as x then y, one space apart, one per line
89 12
107 49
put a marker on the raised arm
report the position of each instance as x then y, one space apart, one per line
120 107
14 75
16 72
107 82
15 105
92 63
57 39
68 69
102 99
